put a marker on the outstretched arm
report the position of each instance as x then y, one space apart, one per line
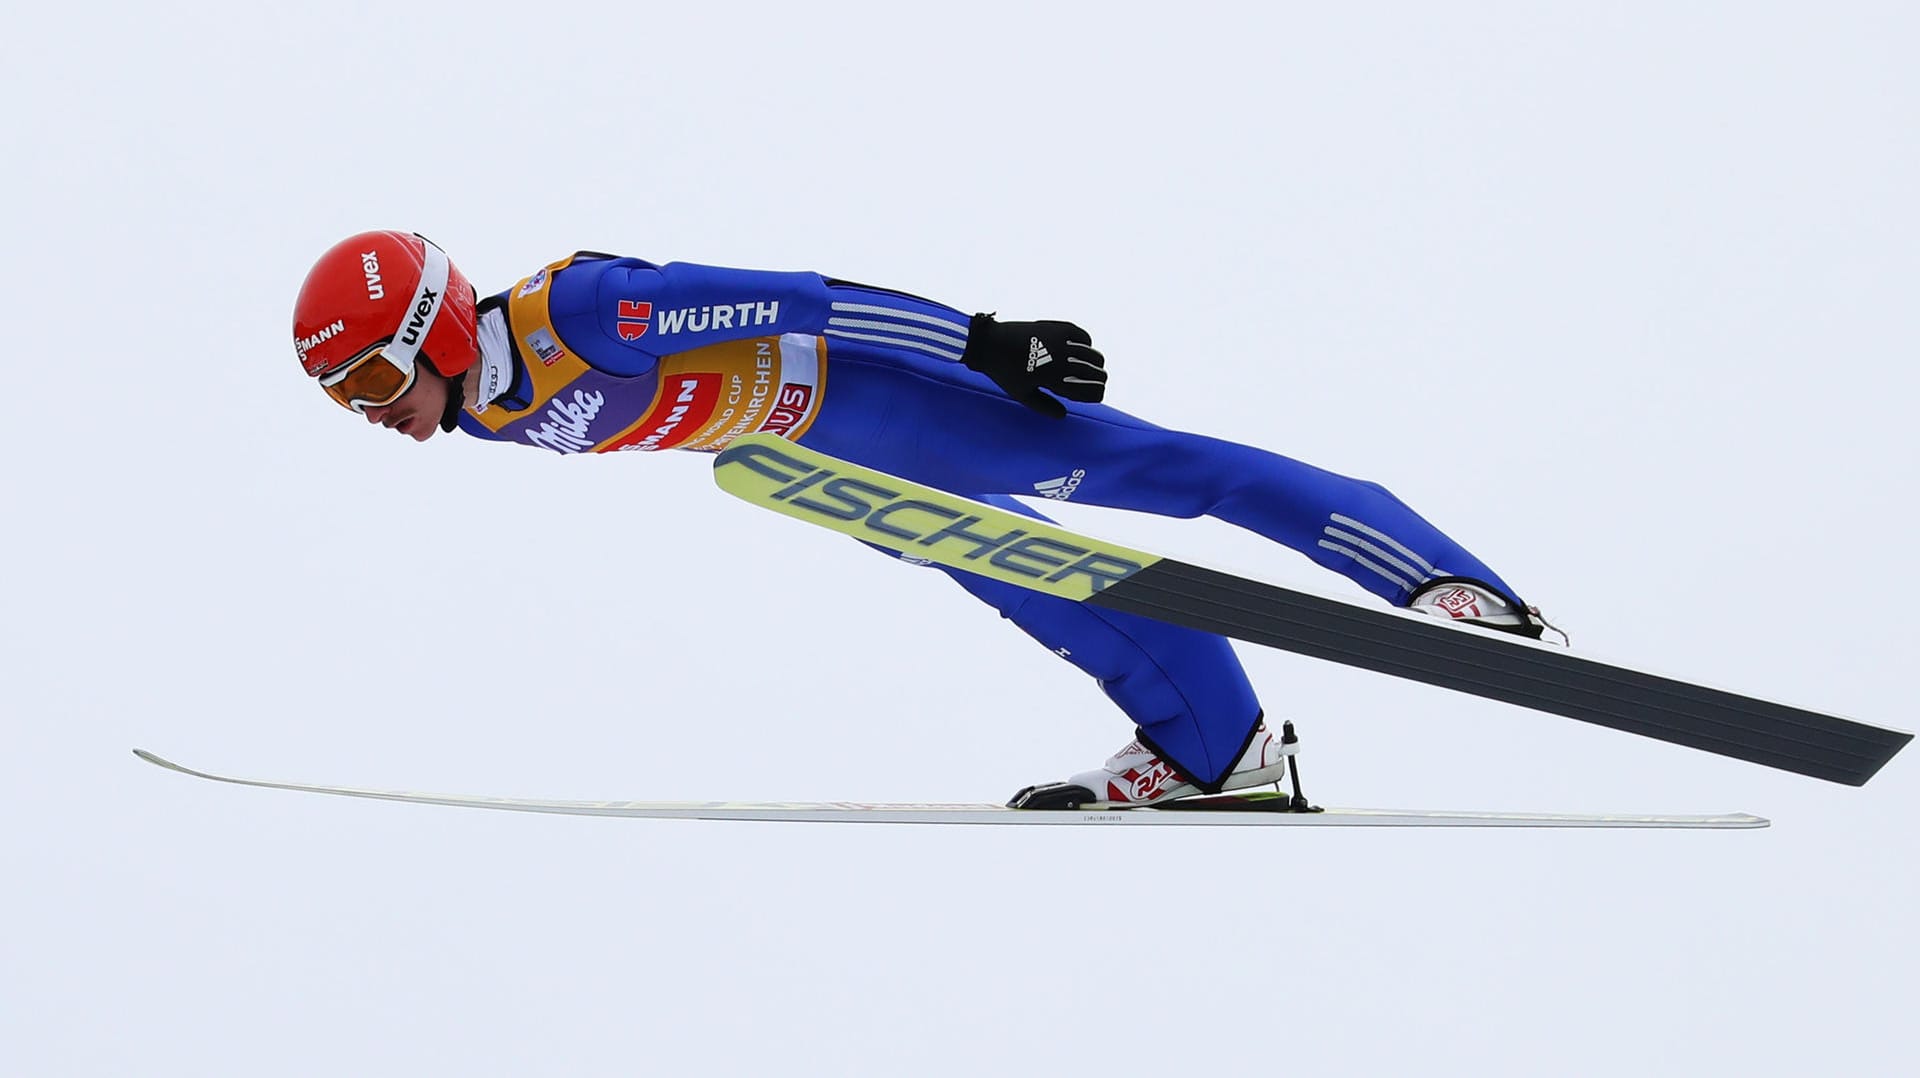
660 310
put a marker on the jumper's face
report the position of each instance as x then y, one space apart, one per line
417 412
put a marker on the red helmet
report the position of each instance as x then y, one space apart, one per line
394 292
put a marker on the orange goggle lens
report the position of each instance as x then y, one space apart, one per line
369 380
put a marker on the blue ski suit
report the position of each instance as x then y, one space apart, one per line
597 353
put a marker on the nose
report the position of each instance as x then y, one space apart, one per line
375 414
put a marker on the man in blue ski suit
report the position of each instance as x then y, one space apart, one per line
596 353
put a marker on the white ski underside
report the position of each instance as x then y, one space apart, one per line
857 812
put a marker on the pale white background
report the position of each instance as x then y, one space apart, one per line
1623 298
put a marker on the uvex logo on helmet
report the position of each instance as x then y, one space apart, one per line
391 290
417 323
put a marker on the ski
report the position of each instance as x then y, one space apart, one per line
1266 809
921 522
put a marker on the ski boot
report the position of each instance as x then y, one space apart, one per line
1454 597
1136 776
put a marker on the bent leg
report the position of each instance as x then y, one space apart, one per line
1184 689
938 427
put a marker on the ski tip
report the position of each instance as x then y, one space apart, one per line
159 761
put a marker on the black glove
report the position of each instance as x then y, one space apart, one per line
1024 358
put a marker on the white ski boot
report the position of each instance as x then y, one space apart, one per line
1450 598
1137 776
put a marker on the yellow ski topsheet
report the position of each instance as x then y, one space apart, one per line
921 522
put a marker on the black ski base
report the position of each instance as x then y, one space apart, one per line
1509 670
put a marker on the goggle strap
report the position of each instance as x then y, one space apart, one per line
429 297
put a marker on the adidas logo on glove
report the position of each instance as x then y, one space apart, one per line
1037 355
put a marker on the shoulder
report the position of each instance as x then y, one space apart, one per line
563 299
580 280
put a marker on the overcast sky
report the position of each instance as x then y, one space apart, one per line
1623 298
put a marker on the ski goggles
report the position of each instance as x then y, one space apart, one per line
380 375
372 379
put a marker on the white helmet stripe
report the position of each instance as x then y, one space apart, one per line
417 319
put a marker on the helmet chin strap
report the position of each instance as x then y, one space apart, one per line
456 399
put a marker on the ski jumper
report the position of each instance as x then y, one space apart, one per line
596 353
